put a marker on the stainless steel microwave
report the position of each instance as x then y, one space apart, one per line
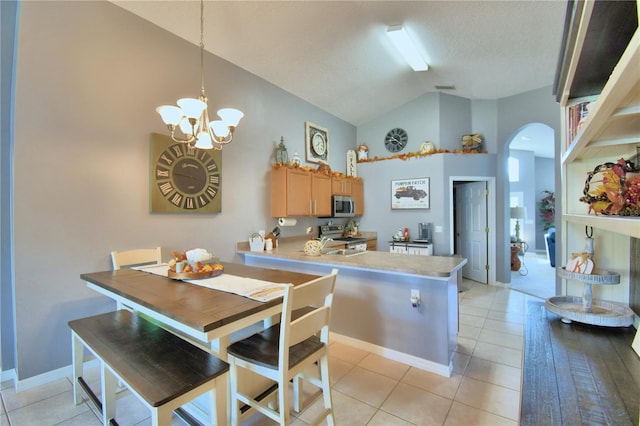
343 206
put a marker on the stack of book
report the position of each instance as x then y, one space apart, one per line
576 113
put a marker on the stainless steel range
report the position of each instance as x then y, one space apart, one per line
336 232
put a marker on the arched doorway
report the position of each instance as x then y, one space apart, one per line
531 172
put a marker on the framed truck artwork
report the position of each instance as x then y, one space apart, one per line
410 193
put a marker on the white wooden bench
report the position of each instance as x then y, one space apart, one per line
161 369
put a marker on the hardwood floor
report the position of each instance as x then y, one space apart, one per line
576 374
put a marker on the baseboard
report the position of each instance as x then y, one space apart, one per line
49 376
9 375
394 355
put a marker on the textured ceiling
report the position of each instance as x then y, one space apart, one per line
336 55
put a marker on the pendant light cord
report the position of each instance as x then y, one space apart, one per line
202 46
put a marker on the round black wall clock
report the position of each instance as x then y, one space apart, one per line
396 139
184 179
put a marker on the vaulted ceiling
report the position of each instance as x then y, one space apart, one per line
336 55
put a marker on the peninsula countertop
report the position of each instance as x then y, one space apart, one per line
432 266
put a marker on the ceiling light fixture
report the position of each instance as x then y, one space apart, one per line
192 118
407 47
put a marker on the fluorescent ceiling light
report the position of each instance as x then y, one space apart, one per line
401 40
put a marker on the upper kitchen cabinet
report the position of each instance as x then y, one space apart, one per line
341 186
298 192
351 187
598 87
357 192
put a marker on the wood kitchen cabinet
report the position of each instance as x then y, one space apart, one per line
351 187
341 186
357 192
297 192
372 245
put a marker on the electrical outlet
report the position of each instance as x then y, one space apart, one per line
415 298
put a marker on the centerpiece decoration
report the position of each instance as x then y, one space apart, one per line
193 265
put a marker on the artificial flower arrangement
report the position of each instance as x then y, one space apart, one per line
617 192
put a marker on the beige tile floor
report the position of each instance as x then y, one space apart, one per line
367 389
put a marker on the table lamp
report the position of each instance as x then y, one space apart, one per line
517 213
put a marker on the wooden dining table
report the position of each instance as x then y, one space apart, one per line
204 316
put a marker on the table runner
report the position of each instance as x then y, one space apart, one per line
259 290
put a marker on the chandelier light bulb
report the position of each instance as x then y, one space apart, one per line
191 107
230 116
170 114
220 128
186 128
204 141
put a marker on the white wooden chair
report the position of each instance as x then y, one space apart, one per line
136 257
288 351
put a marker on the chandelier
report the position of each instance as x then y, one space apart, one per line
191 118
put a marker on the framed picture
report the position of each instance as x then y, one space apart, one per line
410 193
317 143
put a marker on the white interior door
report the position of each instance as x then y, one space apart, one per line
471 224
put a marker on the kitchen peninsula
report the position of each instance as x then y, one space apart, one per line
373 309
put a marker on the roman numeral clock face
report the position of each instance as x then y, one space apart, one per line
184 179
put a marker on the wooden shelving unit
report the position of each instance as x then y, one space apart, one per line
610 131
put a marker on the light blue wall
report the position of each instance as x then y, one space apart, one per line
420 118
8 14
455 121
92 74
545 181
442 119
526 186
89 77
514 112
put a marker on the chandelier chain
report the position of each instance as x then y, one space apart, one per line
191 117
202 46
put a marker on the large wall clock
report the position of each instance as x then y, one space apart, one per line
184 179
317 143
395 140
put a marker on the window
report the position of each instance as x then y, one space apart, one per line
514 170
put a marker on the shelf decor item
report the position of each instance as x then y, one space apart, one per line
362 151
471 142
317 143
282 156
613 189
